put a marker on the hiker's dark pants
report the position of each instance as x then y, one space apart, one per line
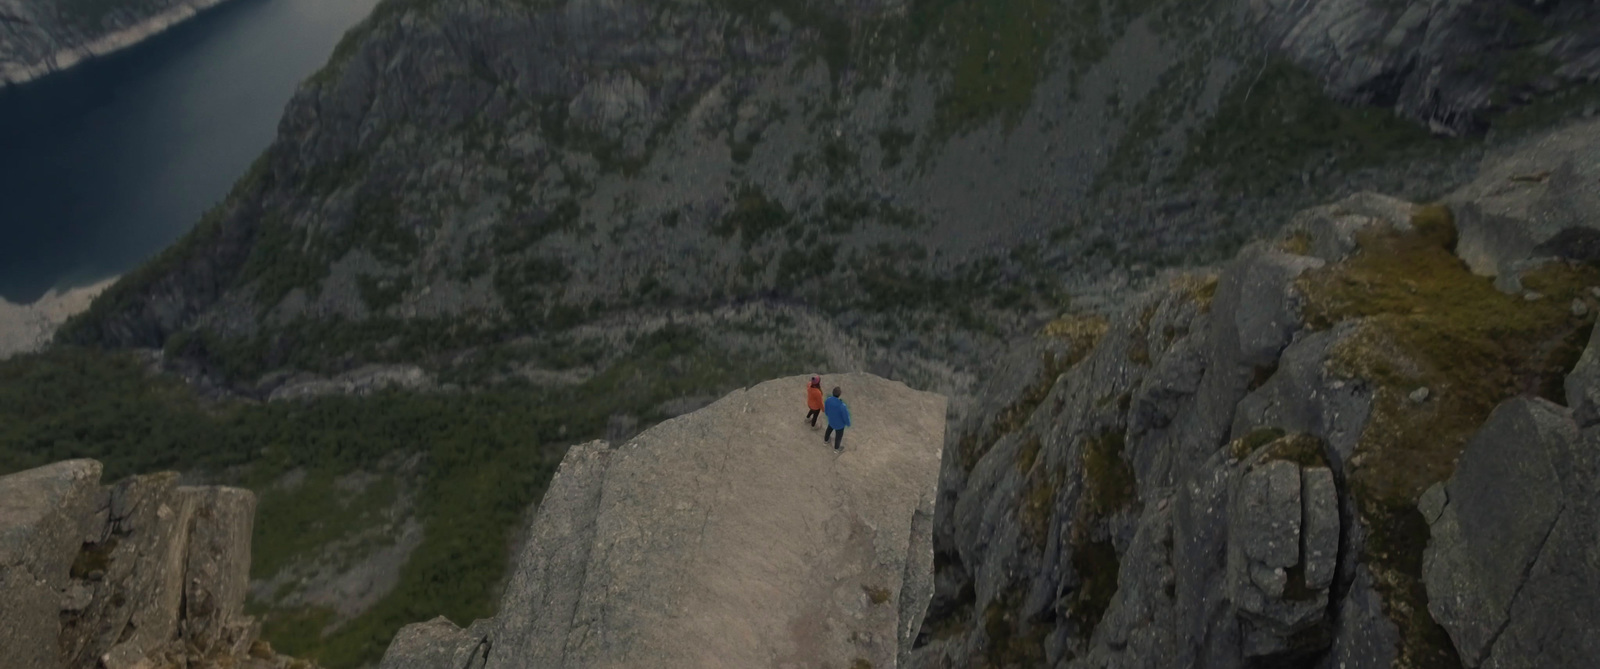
838 436
812 416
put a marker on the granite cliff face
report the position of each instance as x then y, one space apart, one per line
38 37
142 573
927 175
463 174
1443 63
1343 450
729 537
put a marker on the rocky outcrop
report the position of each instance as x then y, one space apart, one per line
143 573
1232 472
38 37
1537 200
1283 548
728 537
1513 562
1441 63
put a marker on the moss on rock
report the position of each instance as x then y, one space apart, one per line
1422 319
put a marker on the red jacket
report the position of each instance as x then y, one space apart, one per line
814 398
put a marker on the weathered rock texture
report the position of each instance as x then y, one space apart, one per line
729 537
510 171
38 37
143 573
1513 567
1222 475
1538 199
1443 62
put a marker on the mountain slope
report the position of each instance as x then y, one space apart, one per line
579 212
1265 467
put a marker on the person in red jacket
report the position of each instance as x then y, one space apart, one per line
814 400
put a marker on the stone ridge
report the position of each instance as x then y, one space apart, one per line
729 537
1252 469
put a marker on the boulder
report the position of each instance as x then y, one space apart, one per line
1539 199
1512 567
1266 314
1283 542
1330 230
140 573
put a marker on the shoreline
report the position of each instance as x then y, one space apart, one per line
16 74
25 328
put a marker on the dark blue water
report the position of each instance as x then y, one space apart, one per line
105 164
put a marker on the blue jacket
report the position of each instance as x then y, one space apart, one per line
838 413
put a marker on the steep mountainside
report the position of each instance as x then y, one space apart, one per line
1345 450
1441 63
38 37
464 174
490 229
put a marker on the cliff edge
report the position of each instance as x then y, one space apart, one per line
729 537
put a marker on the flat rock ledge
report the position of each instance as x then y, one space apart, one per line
728 537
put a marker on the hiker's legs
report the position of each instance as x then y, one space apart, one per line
838 436
811 417
827 434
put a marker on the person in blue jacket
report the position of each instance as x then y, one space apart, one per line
838 419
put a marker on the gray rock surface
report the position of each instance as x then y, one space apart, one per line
1538 199
1514 538
1243 543
44 515
1330 230
1275 525
1407 54
727 537
142 573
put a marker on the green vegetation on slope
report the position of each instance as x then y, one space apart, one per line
1274 124
484 457
1426 321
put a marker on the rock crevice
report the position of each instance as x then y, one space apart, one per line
141 573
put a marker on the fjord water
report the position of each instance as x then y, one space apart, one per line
103 165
